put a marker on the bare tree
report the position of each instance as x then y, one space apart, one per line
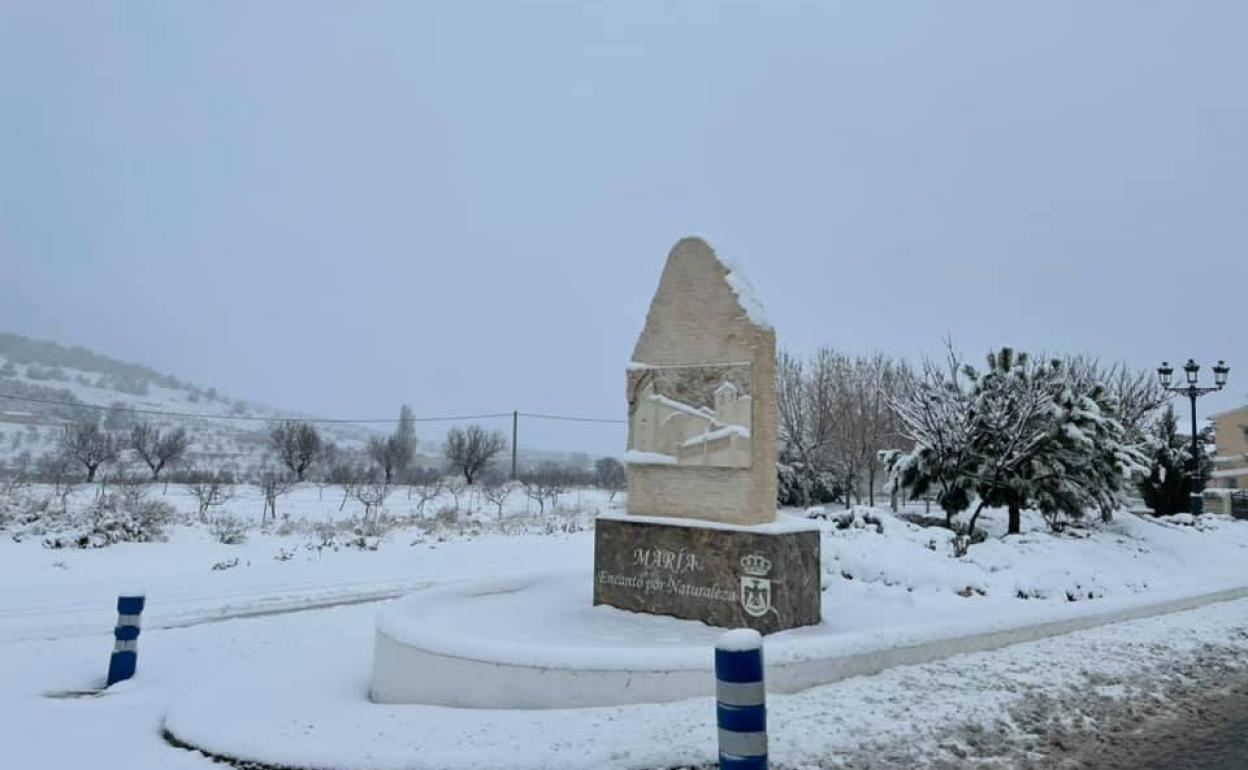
804 427
372 490
469 450
496 489
818 429
158 451
456 486
297 444
609 474
427 485
546 483
58 469
534 490
344 475
273 484
89 445
210 489
835 417
874 424
15 474
121 473
394 453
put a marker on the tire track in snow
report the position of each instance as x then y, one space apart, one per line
86 618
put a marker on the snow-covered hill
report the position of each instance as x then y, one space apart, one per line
43 385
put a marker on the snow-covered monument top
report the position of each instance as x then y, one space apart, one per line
701 397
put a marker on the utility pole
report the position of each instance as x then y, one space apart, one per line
515 432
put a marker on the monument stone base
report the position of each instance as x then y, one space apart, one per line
765 576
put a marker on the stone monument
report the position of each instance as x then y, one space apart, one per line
701 539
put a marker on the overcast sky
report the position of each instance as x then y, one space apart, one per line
338 207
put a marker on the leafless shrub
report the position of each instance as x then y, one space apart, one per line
344 475
210 489
546 483
273 484
122 474
60 471
456 486
15 475
372 491
427 486
496 490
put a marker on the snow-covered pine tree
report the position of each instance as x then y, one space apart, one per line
1019 434
1168 486
1013 413
1091 461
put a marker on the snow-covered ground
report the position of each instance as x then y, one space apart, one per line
886 577
312 556
1020 703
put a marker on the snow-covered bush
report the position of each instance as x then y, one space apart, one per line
361 535
374 526
228 529
123 516
853 518
30 514
11 506
326 533
797 486
447 516
1021 433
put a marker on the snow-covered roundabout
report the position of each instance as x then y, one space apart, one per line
525 668
536 642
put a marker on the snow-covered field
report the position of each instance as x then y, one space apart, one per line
220 611
312 556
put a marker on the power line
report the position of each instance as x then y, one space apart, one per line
321 420
572 419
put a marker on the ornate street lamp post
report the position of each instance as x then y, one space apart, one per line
1191 371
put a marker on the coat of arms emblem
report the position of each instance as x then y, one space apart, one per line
755 587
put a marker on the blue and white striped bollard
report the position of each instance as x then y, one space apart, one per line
125 657
741 708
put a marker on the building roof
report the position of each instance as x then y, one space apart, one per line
1230 412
